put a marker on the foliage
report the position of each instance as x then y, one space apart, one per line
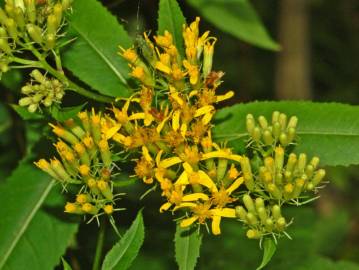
155 101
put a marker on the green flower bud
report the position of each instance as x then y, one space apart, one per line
221 168
11 28
256 135
293 121
278 179
52 25
253 234
292 160
262 213
298 187
279 158
37 97
302 161
103 186
314 162
247 173
248 202
273 189
283 139
267 137
318 177
276 212
89 209
30 10
269 224
283 121
310 186
263 122
309 170
3 33
3 16
36 74
50 41
250 123
276 129
25 101
280 224
10 9
259 203
4 46
47 101
275 117
32 107
241 213
58 13
66 4
19 17
291 134
34 32
252 219
4 67
208 57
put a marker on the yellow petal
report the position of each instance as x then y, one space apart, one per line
158 157
224 212
175 120
187 167
112 131
182 180
137 116
227 95
185 205
165 207
148 119
216 221
174 94
203 110
162 124
237 158
207 118
188 221
193 93
146 154
235 185
162 67
118 137
215 154
183 129
168 162
206 181
194 197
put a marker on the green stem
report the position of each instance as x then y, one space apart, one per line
71 85
99 247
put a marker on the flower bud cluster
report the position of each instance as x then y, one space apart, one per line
29 22
41 90
260 219
86 161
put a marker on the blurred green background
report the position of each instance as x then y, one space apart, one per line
318 61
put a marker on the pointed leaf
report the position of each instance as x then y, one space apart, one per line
170 18
187 248
65 264
125 251
25 231
93 56
269 248
327 130
236 17
65 113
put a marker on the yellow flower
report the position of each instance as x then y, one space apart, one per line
129 54
192 71
164 40
202 211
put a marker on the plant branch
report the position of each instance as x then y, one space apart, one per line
99 247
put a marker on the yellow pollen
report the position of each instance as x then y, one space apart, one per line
139 73
79 148
288 188
82 198
108 209
91 183
42 164
70 207
102 185
103 145
88 207
84 170
82 115
88 142
59 131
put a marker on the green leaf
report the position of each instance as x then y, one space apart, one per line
65 264
269 248
327 130
125 251
187 248
26 232
63 114
93 56
238 18
170 18
25 114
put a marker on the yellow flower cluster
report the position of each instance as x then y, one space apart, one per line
86 160
167 126
177 151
